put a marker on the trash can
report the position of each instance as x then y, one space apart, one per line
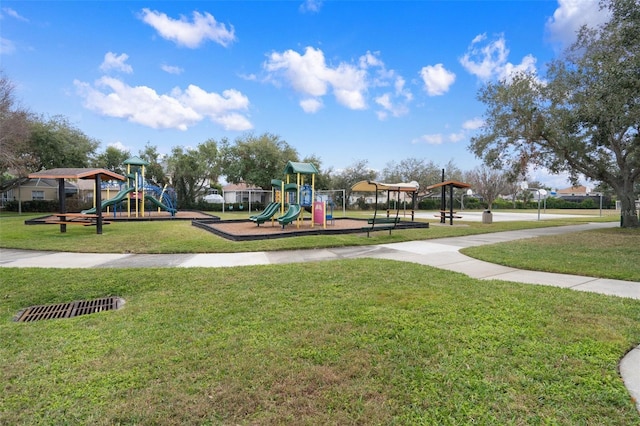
487 217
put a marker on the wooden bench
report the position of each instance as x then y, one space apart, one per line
447 215
381 224
75 219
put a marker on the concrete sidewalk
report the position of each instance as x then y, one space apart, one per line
440 253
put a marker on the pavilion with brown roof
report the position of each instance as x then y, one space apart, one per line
77 173
443 207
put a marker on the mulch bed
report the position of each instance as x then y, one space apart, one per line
244 230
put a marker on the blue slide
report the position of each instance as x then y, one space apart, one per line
159 204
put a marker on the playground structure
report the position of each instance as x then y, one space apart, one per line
386 223
136 190
297 194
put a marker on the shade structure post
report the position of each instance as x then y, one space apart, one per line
443 201
63 208
98 204
450 204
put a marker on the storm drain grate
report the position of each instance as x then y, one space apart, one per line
69 310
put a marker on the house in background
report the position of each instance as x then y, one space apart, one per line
242 193
25 189
574 191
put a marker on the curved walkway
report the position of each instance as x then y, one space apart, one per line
441 253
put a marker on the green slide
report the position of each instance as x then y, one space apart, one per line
292 214
265 211
266 214
111 201
159 204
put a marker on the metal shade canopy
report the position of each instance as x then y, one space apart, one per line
370 186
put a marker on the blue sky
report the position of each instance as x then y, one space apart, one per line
344 80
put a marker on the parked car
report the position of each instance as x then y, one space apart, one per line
213 198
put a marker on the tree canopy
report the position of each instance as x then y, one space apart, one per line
112 159
15 123
57 143
255 160
583 118
192 170
488 183
154 172
353 174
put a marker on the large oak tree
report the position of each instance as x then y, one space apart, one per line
583 118
192 170
256 160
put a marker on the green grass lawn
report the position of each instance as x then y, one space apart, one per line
346 342
606 253
182 237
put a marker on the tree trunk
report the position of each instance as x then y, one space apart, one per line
628 211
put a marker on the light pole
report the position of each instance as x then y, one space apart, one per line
598 194
539 192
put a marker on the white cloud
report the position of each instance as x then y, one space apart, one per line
171 69
473 124
248 77
370 60
570 16
457 137
120 146
113 62
437 79
528 64
189 34
310 76
307 74
12 13
311 6
178 110
219 108
435 139
386 101
311 105
7 46
453 137
488 59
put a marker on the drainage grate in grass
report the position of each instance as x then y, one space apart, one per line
69 310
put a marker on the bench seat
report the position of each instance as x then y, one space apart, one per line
381 224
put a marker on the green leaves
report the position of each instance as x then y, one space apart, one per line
255 160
